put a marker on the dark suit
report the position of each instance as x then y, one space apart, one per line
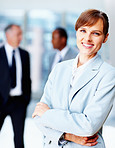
14 106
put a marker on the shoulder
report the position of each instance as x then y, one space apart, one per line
23 51
63 63
107 73
1 48
102 66
61 70
2 51
62 66
107 67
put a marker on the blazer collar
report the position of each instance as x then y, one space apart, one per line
90 72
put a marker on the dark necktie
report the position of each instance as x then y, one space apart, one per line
13 70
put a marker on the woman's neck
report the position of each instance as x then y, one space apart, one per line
82 59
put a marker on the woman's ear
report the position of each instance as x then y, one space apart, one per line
106 37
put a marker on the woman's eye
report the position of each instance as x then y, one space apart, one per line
96 33
82 31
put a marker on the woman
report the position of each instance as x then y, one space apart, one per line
79 93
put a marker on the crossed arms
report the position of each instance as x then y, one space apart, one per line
41 108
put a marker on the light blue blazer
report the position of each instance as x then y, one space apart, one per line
71 54
85 112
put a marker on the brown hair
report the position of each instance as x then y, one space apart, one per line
90 17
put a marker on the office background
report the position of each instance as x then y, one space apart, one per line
39 18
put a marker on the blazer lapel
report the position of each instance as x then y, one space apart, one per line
90 72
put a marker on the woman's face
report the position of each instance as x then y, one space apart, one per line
90 38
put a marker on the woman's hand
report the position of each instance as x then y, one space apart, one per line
86 141
40 109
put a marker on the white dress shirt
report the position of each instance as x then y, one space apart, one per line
60 55
17 91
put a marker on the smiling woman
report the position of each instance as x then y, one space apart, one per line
79 93
90 39
92 31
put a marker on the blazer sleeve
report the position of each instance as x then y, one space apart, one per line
52 134
46 131
88 122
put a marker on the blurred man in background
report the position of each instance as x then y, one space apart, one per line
15 83
63 52
60 53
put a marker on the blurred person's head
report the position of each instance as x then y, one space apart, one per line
59 38
92 31
13 34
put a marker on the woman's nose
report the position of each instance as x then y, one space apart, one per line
88 37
